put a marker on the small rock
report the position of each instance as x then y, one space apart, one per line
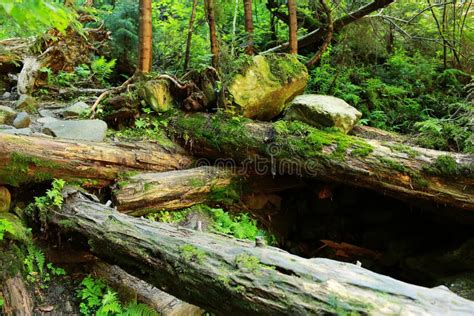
75 110
47 119
7 115
14 131
156 94
26 103
6 95
22 120
46 113
92 130
5 200
323 111
68 307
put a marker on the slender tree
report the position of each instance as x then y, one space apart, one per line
190 35
210 14
249 26
145 46
293 26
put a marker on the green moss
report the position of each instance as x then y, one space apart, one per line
285 67
250 263
17 171
444 166
197 182
189 253
228 194
66 223
392 164
403 149
146 187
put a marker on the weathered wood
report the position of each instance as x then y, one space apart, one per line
295 148
25 159
143 292
17 299
232 276
173 190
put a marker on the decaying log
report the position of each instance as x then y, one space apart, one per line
232 276
174 190
25 159
17 299
143 292
295 148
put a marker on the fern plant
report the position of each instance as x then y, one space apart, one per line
37 271
6 227
102 69
100 300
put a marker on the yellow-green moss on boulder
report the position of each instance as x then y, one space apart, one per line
5 199
157 95
263 88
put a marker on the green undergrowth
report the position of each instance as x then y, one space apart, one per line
147 128
96 298
240 226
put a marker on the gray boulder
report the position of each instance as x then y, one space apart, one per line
75 110
19 131
7 115
91 130
22 120
46 119
323 111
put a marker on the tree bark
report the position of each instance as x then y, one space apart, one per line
162 302
316 37
281 148
145 37
293 27
208 269
17 299
174 190
248 26
25 159
210 14
190 35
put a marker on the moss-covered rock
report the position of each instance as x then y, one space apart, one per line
323 111
157 95
265 85
7 115
5 199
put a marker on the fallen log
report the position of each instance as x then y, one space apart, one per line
17 299
225 275
25 159
174 190
143 292
295 148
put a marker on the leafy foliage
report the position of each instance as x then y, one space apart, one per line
6 227
100 300
36 269
53 196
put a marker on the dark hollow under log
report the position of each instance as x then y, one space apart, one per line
25 159
225 275
283 147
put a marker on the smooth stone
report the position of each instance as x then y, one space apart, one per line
5 199
7 115
91 130
6 95
323 111
75 110
46 113
22 120
14 131
5 126
47 119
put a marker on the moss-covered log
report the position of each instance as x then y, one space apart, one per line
225 275
295 148
25 159
173 190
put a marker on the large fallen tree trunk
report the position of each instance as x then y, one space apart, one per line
25 159
173 190
225 275
295 148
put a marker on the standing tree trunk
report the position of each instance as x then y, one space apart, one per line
144 53
248 26
210 13
293 25
190 35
